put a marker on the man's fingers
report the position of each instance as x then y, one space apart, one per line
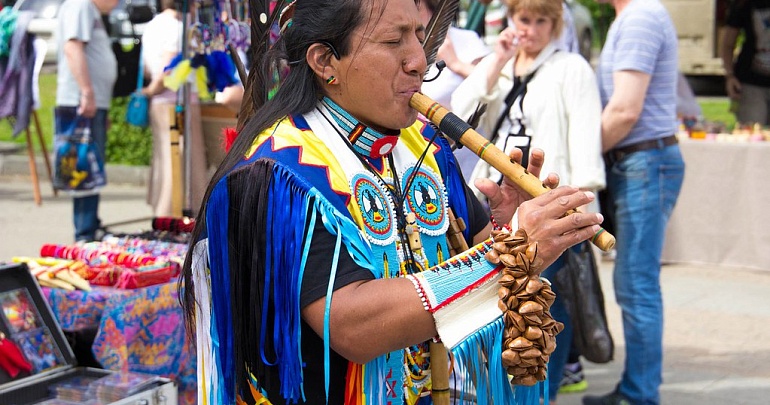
536 160
489 189
566 195
516 155
579 221
576 236
552 180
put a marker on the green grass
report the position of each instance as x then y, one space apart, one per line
718 110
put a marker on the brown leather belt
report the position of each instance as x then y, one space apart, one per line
660 143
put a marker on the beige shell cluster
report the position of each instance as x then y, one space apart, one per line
530 331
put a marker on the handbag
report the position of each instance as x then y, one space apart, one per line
578 284
79 169
127 56
138 110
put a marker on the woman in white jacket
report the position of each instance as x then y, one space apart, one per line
561 106
553 104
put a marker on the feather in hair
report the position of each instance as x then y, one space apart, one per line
263 17
438 26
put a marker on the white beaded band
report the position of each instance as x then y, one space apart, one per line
420 291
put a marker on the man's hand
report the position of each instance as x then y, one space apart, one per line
733 87
543 216
87 107
505 199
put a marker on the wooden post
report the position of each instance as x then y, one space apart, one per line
46 158
177 182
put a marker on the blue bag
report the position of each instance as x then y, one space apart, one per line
79 169
138 111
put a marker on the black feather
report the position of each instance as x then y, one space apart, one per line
435 32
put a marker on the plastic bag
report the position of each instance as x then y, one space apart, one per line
79 170
579 286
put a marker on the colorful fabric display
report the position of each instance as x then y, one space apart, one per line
11 359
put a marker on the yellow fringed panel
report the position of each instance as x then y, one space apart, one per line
178 75
201 81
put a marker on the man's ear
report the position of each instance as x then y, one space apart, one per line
319 57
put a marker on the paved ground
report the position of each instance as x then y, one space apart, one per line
717 339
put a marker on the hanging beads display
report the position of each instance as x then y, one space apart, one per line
217 28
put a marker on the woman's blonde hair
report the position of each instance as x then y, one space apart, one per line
549 8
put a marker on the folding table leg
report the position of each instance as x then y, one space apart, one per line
33 168
45 151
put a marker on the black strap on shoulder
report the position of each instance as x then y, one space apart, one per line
519 89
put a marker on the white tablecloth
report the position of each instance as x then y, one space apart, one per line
722 216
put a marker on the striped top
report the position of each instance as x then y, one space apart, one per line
643 38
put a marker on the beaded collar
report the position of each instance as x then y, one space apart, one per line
366 141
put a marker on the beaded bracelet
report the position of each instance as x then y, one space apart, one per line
495 225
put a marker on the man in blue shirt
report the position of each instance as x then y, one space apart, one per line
637 77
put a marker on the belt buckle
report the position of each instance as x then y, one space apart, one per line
617 155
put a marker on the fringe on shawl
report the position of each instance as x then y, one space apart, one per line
481 354
260 220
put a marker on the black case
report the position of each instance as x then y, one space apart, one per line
29 388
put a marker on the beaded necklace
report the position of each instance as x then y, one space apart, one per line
367 144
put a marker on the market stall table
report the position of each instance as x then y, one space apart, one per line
137 330
721 217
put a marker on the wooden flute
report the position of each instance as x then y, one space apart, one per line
459 131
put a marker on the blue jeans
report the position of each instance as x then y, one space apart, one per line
85 210
564 339
643 188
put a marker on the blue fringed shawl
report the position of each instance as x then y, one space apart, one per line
289 208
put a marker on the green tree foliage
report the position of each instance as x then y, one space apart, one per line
126 144
602 14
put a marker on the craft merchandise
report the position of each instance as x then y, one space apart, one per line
57 273
11 358
126 262
210 41
28 347
43 366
